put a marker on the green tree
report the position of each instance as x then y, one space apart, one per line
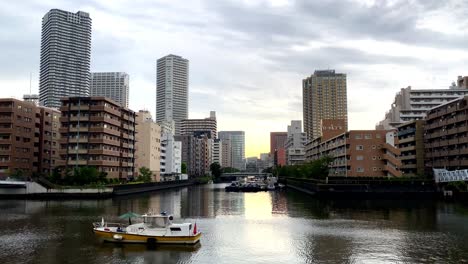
183 168
229 170
215 169
17 174
145 174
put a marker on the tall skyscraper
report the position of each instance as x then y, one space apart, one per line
172 76
237 141
113 85
324 97
65 56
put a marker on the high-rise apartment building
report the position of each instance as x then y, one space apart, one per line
113 85
207 126
65 56
148 144
98 132
324 97
172 79
410 105
237 141
226 158
28 138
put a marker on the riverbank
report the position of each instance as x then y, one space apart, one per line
364 189
34 190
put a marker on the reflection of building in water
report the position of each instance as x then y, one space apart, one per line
199 202
279 203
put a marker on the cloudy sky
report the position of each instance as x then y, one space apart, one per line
248 58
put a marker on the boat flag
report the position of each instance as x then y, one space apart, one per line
195 228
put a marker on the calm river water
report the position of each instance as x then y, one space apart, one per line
266 227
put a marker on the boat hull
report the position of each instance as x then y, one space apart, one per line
117 237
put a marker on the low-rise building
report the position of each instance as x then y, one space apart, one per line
411 146
97 132
148 144
359 153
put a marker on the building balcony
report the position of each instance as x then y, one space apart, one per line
81 129
408 157
454 152
406 140
6 109
392 171
104 163
77 162
409 148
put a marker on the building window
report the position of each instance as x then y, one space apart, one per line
358 136
374 168
380 158
377 135
374 158
359 147
360 169
373 146
360 157
368 136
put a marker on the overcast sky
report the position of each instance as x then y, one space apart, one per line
248 58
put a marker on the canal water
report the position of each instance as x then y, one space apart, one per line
264 227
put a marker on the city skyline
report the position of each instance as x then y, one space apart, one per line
395 44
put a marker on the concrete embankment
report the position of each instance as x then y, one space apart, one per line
363 189
34 190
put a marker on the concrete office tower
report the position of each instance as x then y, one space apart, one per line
226 158
98 132
323 97
113 85
295 144
207 126
65 56
410 105
172 78
237 140
148 144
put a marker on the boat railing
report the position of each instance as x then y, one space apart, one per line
106 224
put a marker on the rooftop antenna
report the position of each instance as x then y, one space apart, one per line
30 80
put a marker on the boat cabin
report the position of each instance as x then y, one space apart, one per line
157 221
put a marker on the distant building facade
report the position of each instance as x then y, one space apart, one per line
113 85
410 105
324 96
207 125
295 143
277 147
172 84
148 144
237 141
65 56
98 132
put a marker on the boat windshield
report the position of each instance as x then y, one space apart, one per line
156 222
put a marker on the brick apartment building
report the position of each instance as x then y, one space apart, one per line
98 132
28 138
446 135
359 153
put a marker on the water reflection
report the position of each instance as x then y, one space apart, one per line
267 227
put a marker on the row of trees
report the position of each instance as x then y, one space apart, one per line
88 175
317 169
